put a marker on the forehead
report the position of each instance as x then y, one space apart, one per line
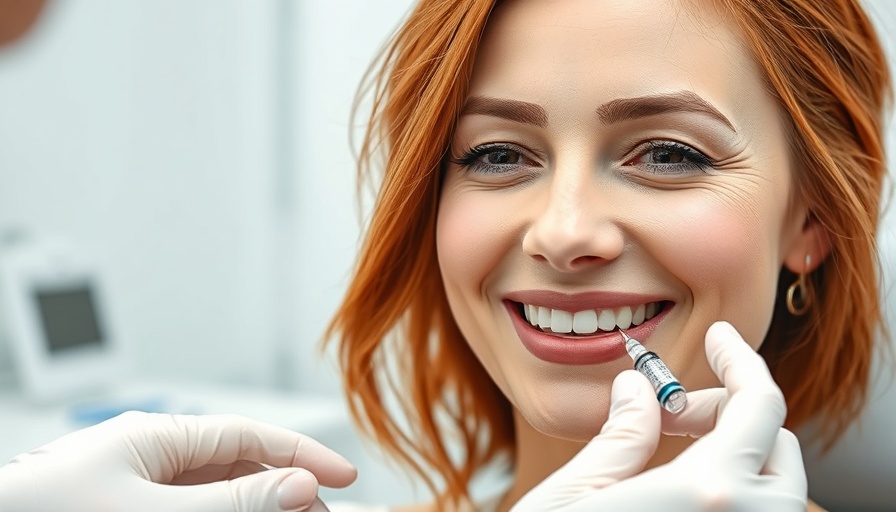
601 49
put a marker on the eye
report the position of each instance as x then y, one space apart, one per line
668 157
495 157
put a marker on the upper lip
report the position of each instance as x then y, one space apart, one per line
574 302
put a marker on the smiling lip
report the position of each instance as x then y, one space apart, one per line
602 347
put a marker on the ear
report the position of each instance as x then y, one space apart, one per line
812 241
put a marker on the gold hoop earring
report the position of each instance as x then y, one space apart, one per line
805 296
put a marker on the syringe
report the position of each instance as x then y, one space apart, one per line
669 391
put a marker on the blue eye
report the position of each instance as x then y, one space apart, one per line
493 158
667 157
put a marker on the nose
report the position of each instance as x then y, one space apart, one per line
577 227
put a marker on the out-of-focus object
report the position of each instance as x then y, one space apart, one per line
55 320
17 17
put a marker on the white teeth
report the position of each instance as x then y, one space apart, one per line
606 320
544 318
638 315
584 322
561 321
589 321
624 317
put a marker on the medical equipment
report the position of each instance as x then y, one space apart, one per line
55 320
670 393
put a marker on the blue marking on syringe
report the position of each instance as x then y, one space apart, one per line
669 392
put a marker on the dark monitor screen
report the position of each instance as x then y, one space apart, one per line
69 318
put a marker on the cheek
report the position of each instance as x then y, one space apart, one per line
471 238
728 257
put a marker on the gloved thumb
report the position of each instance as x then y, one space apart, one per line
274 490
626 442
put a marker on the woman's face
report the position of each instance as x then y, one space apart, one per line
617 164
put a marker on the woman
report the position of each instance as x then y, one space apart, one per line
556 171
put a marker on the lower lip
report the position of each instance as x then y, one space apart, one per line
580 350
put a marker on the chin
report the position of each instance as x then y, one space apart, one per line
569 417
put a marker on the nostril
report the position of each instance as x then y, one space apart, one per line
575 248
584 260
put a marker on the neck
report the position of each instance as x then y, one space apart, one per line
538 455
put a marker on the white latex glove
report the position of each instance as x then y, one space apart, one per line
742 461
141 462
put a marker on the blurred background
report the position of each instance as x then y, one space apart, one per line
198 150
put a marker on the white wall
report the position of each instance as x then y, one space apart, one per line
334 43
200 147
143 131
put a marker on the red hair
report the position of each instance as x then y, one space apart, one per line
396 335
397 284
825 66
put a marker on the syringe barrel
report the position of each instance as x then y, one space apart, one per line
669 391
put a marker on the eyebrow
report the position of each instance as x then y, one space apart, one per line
512 110
682 101
613 111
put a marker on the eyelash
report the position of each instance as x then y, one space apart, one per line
694 160
469 158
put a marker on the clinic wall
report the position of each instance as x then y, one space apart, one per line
200 148
143 132
333 44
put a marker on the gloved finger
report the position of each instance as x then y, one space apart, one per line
190 442
699 417
216 472
626 442
275 490
786 461
748 425
785 472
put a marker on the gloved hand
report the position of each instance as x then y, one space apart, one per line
140 462
743 459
